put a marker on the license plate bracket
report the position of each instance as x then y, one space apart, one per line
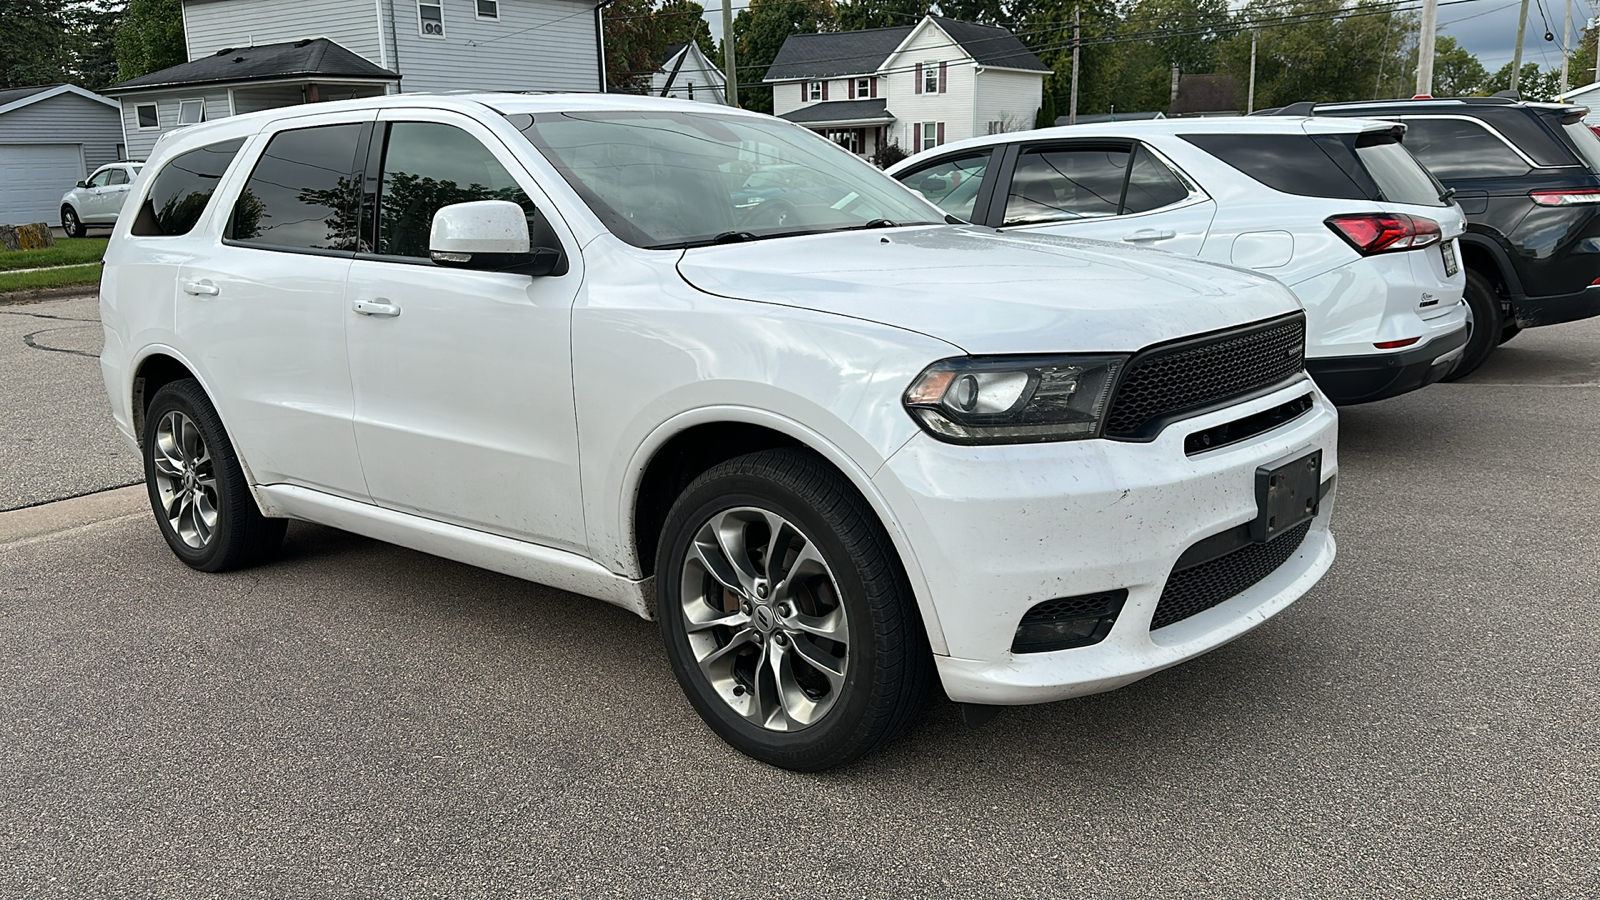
1448 249
1286 496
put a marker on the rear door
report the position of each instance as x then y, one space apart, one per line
1109 190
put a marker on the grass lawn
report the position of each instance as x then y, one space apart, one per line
66 252
87 276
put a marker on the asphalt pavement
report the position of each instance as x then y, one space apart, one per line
357 720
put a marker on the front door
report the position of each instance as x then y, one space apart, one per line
1109 191
463 379
97 198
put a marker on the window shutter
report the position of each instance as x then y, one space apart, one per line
919 78
874 94
943 81
852 89
824 90
938 141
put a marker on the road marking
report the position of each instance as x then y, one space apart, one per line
64 515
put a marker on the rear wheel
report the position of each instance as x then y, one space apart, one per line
70 223
197 488
1484 325
788 623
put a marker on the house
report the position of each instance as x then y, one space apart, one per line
1585 96
917 86
686 74
246 55
1207 95
51 137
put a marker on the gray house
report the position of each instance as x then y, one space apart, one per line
303 51
51 137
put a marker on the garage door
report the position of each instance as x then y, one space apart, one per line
32 179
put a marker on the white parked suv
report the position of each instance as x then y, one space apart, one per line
97 200
836 454
1338 210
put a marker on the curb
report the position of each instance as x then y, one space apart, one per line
56 293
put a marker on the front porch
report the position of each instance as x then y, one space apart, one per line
860 126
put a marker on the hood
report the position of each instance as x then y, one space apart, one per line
988 292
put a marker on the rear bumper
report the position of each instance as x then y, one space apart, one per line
1554 309
1348 380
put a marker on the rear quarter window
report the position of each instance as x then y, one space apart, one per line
1399 176
179 194
1291 163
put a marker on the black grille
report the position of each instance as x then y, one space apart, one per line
1075 607
1198 588
1169 380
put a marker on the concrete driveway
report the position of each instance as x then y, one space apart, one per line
357 720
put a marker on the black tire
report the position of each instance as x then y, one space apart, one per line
1510 331
1485 325
888 666
240 535
71 223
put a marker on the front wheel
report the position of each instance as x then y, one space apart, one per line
70 223
198 489
1484 325
788 622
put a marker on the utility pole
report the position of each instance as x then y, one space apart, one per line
1566 31
1425 41
728 66
1072 110
1516 58
1250 97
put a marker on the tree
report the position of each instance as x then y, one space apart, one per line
638 36
1532 83
683 21
1316 50
35 47
150 38
93 28
859 15
759 32
1456 72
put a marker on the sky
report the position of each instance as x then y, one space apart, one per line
1486 28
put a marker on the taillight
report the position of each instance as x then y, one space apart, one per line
1580 197
1383 232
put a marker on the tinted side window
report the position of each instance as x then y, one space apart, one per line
303 193
180 191
1457 148
951 184
427 166
117 176
1399 175
1291 163
1065 184
1151 185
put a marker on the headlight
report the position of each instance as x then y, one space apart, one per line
1013 399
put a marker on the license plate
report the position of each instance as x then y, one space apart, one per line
1286 496
1448 248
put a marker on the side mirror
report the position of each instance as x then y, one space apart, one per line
83 184
487 235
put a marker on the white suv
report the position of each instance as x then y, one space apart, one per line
97 200
1337 209
835 443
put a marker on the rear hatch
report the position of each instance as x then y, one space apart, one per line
1408 189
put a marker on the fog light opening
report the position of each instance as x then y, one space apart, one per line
1068 622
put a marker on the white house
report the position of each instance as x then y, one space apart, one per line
1588 95
917 86
686 74
246 55
51 137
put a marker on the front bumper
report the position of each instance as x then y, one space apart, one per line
1348 380
999 529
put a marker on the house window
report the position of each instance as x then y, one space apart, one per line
430 18
489 9
814 91
996 127
691 90
863 87
930 135
148 117
122 153
191 112
930 78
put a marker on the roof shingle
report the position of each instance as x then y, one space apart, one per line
864 52
310 59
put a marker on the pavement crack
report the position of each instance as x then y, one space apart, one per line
29 340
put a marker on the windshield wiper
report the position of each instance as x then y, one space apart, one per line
734 237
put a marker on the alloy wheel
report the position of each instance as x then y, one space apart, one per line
764 619
186 481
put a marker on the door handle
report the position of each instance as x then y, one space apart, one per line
375 308
1150 234
200 288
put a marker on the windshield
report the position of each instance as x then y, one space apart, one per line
1398 174
1587 145
663 180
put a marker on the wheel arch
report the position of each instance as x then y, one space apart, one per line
1483 255
692 442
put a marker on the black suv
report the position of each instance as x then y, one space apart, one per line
1527 176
